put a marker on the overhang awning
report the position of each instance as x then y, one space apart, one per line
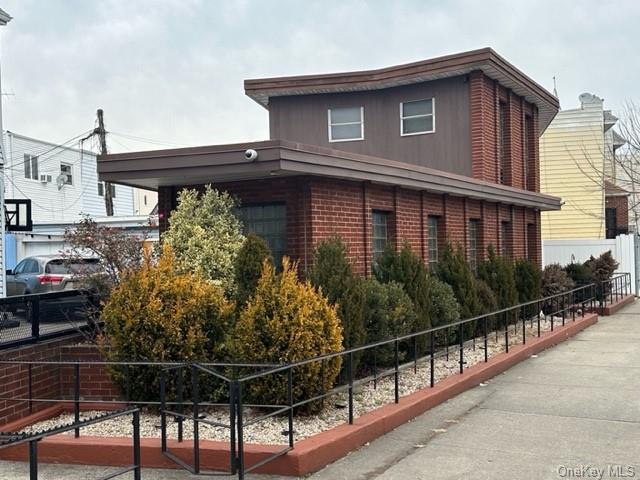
279 158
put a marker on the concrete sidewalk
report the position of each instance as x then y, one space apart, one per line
574 407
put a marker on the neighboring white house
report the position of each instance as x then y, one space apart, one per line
144 201
61 182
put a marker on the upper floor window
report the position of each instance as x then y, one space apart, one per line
268 221
417 117
101 189
502 142
346 124
30 166
380 237
66 170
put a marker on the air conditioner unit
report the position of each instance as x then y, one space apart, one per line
45 178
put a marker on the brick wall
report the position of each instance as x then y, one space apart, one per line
486 96
620 203
50 381
318 208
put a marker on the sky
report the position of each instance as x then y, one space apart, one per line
172 71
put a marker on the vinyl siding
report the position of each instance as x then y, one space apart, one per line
50 204
572 167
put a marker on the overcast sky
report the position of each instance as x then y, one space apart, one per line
173 70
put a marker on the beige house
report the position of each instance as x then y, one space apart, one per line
575 160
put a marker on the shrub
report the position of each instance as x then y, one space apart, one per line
389 313
206 235
602 268
287 321
248 266
555 280
497 272
332 273
159 314
454 270
487 300
407 269
443 308
581 275
528 276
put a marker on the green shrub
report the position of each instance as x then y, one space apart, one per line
248 266
528 276
555 280
389 313
487 303
443 307
206 235
407 269
581 275
454 270
497 272
602 268
287 321
158 314
332 273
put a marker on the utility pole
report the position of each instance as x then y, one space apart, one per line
102 137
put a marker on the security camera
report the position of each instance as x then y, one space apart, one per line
251 154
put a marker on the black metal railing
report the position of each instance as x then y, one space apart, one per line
10 439
614 289
26 319
187 391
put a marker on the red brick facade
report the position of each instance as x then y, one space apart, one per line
621 204
320 207
522 156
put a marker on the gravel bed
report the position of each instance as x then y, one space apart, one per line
273 430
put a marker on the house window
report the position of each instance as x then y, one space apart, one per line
528 152
380 224
473 244
611 222
346 124
502 142
101 189
417 117
30 167
532 241
505 236
66 169
268 221
432 235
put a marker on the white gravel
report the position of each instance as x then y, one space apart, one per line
273 429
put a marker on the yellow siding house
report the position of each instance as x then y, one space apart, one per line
572 166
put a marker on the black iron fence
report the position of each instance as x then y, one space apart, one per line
614 289
30 318
222 395
11 439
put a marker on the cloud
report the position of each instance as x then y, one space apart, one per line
173 70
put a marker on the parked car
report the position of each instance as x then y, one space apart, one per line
47 273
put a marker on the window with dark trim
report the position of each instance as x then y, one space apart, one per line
67 170
101 189
532 241
380 232
472 234
268 221
505 239
528 152
432 239
502 142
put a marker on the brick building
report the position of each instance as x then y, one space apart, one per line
437 150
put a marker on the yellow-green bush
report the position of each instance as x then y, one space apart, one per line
286 321
158 314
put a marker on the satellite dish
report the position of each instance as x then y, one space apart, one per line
61 180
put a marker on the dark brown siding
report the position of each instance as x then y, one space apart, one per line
304 119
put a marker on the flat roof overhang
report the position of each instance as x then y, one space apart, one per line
281 158
485 59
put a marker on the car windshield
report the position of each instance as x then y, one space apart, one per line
62 267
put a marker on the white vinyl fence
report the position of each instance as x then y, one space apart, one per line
623 249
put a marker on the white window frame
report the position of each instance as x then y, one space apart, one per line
70 172
32 158
432 114
329 125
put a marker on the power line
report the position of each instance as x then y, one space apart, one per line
148 140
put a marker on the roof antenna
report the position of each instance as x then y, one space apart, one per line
555 87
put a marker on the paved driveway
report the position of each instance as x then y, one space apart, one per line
571 412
